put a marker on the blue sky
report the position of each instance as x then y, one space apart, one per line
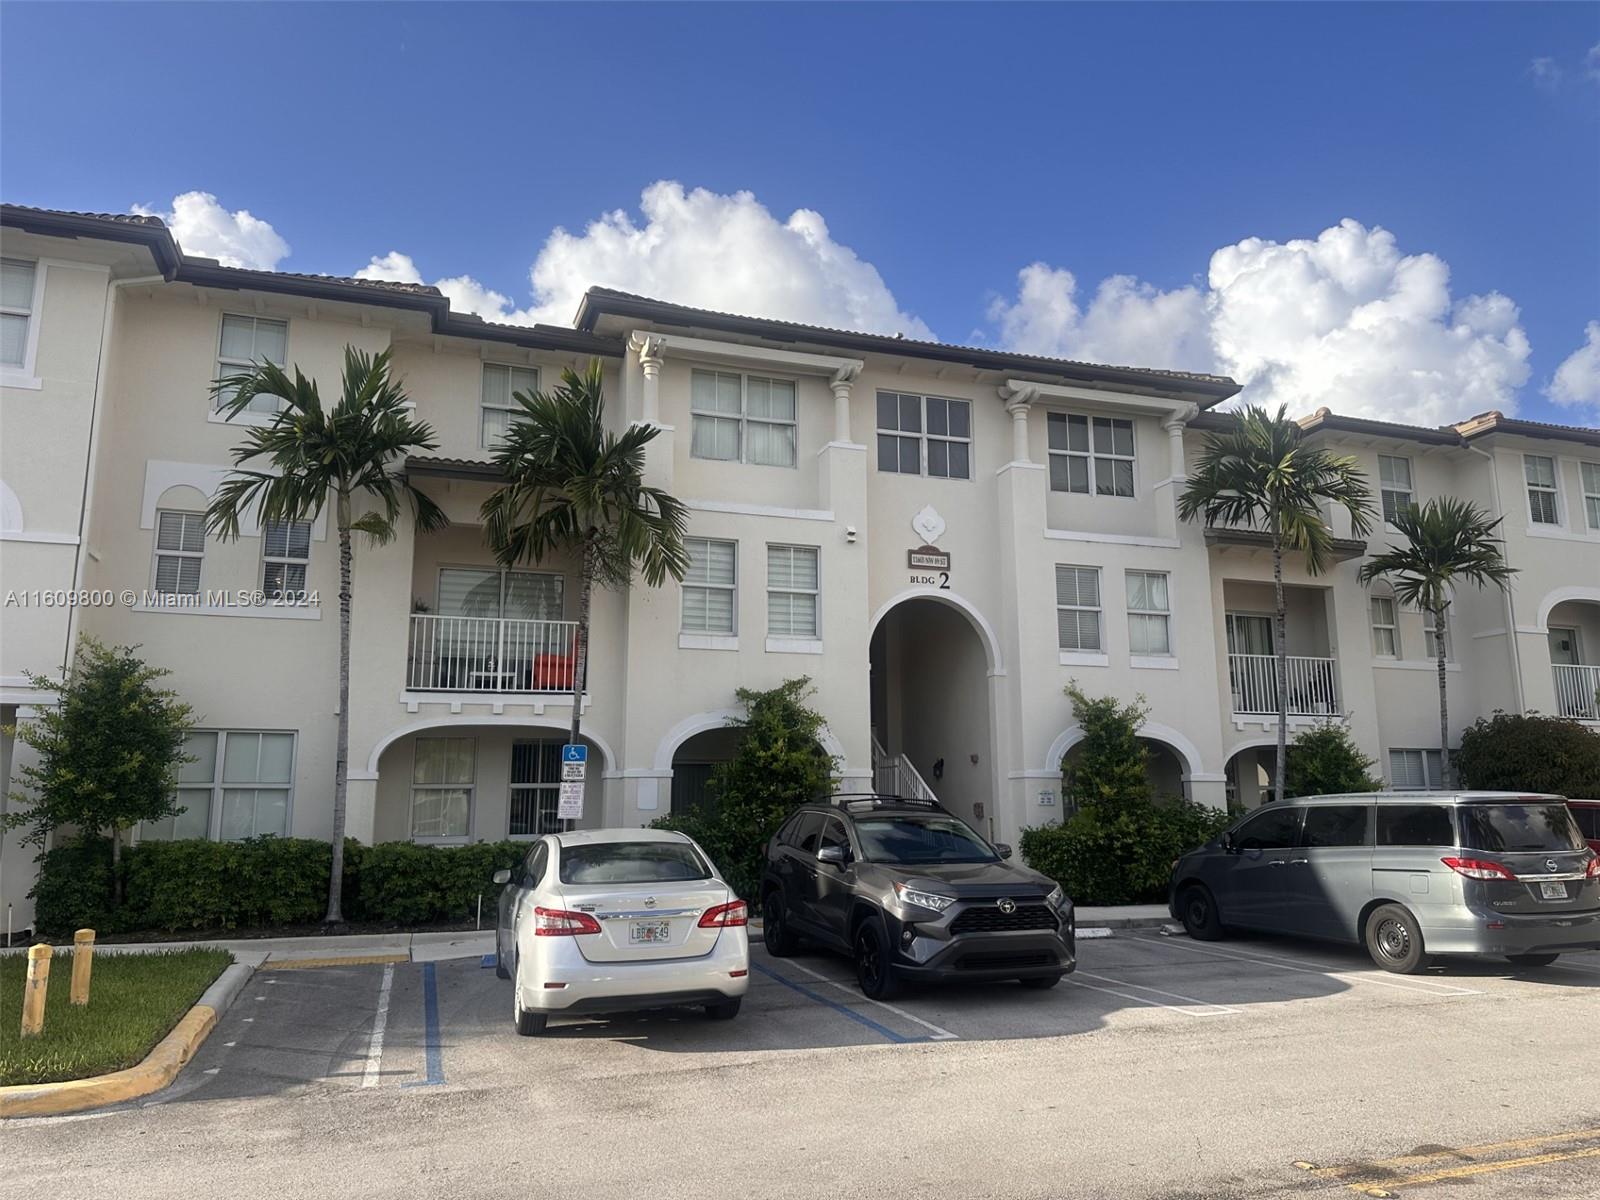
949 147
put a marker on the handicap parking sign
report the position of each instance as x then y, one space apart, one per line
574 754
574 763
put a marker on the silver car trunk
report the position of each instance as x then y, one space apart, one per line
647 922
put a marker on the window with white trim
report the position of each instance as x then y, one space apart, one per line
240 785
1540 472
1415 770
710 587
285 553
535 788
742 418
1394 485
17 280
1385 628
443 773
1090 455
246 343
180 550
1428 647
792 589
924 435
1078 608
497 406
1591 492
1149 613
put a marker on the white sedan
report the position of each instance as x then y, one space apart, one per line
614 920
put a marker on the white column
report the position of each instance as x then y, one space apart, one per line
841 383
1174 426
1019 430
649 350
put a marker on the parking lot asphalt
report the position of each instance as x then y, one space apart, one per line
1162 1068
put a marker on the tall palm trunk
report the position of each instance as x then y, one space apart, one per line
580 640
1280 661
1444 705
341 751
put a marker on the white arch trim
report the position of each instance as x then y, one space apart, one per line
980 623
1560 596
1150 730
160 475
461 722
704 722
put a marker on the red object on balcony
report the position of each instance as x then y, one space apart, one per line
552 672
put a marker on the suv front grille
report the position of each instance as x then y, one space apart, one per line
986 918
1002 962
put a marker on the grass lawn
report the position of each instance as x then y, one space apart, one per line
134 1001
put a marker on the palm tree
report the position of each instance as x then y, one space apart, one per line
1260 474
356 451
573 487
1447 539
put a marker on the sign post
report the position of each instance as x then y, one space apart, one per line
574 766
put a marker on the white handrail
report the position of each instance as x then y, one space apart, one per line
490 654
1311 685
1577 690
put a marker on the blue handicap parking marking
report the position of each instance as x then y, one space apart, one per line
490 960
810 994
432 1051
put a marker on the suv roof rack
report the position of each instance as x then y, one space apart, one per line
879 800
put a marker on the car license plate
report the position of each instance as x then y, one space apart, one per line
651 932
1552 891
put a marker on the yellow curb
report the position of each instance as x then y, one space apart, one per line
159 1068
354 960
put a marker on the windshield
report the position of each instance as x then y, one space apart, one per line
1505 827
632 862
912 840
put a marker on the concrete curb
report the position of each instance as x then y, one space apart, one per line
159 1068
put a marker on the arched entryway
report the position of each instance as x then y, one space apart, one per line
1173 761
932 660
1249 774
1572 628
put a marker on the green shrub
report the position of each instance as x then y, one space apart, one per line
1529 754
74 889
261 883
1122 855
1324 760
780 764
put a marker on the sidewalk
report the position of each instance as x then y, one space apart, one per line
394 947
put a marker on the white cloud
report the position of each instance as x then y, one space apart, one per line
1591 63
235 239
701 248
1547 73
1343 320
1576 383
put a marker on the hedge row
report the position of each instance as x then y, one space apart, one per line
1122 855
262 883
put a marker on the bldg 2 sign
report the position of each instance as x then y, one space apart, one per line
930 566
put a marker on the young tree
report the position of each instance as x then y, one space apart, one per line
573 487
1109 767
1324 761
109 750
780 763
1447 539
1260 474
353 454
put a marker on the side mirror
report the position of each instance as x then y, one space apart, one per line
833 855
502 876
1228 844
1002 849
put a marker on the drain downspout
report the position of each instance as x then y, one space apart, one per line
1507 601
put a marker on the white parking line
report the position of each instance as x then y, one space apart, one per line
1422 987
369 1077
1576 967
1214 1010
1143 988
939 1035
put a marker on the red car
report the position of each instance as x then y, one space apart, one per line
1587 814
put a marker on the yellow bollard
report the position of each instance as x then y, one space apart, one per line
34 992
82 964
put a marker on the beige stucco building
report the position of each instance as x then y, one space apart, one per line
941 537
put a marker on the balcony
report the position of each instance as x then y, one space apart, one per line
490 654
1312 685
1577 691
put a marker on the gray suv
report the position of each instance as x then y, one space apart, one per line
1406 874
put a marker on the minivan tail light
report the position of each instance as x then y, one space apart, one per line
723 915
1477 868
558 922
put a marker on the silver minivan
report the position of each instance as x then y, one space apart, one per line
1407 874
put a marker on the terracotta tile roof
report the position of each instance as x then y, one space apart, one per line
120 218
594 304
